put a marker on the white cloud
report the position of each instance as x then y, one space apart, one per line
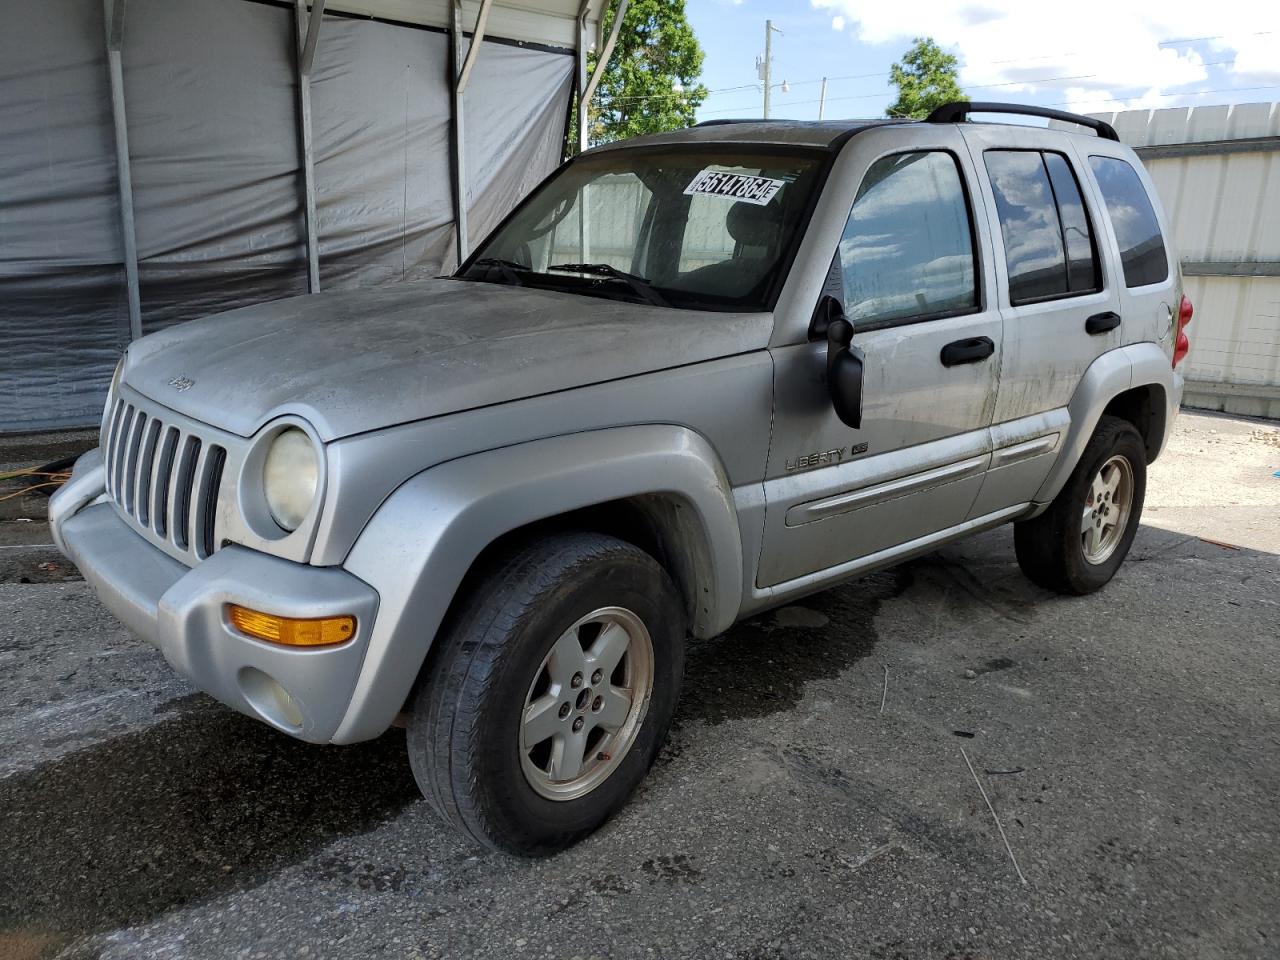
1085 51
1258 58
837 23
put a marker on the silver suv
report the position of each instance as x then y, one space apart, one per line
693 376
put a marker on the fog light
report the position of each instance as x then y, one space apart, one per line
291 631
271 700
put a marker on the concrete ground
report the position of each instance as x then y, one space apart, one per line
1129 743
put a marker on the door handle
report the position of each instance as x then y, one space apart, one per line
1102 322
967 351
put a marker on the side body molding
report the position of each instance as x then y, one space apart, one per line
1139 364
425 537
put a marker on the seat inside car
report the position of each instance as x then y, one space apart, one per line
755 230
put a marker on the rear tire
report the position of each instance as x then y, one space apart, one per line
521 678
1077 545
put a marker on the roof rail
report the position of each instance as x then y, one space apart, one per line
721 123
960 110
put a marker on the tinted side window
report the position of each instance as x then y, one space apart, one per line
907 249
1082 256
1137 231
1029 223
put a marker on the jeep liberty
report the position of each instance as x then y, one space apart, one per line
691 377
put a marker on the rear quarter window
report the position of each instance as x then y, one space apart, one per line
1133 218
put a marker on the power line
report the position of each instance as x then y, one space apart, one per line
1222 36
1159 43
985 86
1186 93
1181 93
981 86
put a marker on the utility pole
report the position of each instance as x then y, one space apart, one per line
822 98
764 66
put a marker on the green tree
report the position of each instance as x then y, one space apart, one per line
651 82
927 77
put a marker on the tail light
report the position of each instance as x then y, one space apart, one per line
1181 345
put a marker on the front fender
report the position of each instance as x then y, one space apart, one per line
425 537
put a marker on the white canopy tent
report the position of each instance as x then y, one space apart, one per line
168 159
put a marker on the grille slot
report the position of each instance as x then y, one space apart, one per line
121 440
207 499
164 473
131 462
112 441
182 493
146 465
165 477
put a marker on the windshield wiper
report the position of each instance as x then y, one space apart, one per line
638 284
509 269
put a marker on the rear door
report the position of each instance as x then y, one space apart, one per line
909 265
1056 293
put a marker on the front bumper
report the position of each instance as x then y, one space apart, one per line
181 611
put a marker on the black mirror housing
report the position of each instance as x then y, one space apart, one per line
844 373
844 361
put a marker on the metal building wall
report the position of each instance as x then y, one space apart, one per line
1217 170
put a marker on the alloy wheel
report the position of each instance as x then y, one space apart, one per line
586 703
1107 506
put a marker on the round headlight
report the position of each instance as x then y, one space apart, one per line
115 377
290 476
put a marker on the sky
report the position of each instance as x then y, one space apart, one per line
1086 56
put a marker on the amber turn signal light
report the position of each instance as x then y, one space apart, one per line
290 631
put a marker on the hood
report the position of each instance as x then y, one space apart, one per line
357 360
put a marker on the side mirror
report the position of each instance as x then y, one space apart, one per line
844 362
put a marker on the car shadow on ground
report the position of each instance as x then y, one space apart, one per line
206 801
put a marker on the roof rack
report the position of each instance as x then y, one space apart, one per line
959 111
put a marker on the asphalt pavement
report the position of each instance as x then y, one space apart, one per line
835 786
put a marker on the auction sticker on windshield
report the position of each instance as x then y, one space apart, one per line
734 186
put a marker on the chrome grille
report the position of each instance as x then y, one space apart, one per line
164 474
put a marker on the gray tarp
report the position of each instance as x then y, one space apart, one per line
211 98
213 144
63 315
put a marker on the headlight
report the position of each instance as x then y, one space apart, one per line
290 476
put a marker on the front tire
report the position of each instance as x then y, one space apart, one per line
549 693
1078 544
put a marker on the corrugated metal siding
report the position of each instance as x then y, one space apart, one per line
1236 338
1224 208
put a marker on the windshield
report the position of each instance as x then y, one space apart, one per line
711 230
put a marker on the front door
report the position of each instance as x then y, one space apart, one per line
911 271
